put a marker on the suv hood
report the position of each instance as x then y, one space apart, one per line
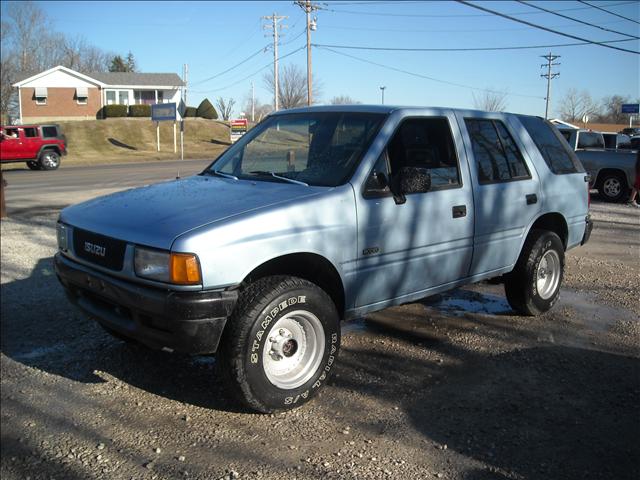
156 214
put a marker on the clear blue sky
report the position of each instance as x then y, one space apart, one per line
213 36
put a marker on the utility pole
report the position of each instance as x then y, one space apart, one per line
185 79
275 26
382 90
309 7
253 103
550 58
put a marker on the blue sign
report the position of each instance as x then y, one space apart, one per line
161 112
630 108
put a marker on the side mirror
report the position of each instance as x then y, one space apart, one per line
414 180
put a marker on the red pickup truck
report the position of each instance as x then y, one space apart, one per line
40 146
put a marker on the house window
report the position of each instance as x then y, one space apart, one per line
82 94
40 94
120 97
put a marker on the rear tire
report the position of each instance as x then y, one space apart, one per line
612 186
33 165
280 343
49 160
533 287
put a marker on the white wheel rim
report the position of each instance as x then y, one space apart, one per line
293 350
548 274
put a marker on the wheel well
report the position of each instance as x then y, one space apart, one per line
311 267
553 222
608 171
49 147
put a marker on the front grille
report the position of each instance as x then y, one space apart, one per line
104 251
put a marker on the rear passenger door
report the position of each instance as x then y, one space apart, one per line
30 142
506 191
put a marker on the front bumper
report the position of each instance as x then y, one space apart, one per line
188 322
587 230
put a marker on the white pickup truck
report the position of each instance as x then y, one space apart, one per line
612 172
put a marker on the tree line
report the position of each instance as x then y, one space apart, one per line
29 44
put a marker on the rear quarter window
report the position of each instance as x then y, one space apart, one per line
49 132
555 151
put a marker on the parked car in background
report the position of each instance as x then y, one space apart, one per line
612 171
581 139
630 131
616 141
321 214
39 146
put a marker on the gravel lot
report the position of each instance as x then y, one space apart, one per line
454 387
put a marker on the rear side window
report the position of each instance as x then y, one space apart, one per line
30 132
590 140
497 156
49 132
555 151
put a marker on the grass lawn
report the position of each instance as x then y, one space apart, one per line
120 140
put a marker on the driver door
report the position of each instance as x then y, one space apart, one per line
405 249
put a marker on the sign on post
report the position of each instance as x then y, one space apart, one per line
164 112
631 109
238 128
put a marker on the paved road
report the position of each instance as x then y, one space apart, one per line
30 189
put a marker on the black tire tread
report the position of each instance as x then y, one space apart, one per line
236 335
515 281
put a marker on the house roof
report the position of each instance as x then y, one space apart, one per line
130 78
110 78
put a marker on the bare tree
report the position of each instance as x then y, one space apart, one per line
612 109
343 100
490 100
292 87
225 107
260 109
29 27
575 105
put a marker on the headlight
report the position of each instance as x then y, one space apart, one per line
178 268
61 234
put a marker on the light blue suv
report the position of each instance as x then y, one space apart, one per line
322 214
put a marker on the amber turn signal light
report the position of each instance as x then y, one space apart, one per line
185 269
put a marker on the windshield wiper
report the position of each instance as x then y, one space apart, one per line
279 177
220 174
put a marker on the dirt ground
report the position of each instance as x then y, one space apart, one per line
454 387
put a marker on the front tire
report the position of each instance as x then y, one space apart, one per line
49 160
280 343
533 287
33 165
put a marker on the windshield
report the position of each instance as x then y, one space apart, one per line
315 148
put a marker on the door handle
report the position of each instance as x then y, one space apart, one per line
459 211
531 199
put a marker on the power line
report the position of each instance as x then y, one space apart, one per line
602 44
610 12
474 30
462 49
419 75
576 20
446 15
262 50
237 82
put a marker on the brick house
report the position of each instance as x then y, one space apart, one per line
61 93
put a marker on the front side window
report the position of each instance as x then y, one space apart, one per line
318 148
11 133
498 158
